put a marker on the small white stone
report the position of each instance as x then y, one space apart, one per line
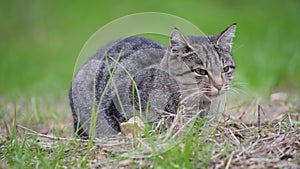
279 97
134 127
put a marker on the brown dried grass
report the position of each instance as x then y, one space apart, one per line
258 136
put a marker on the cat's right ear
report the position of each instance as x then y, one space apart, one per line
224 39
179 43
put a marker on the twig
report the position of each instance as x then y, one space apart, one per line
250 146
290 119
242 115
258 116
50 137
144 144
103 142
187 123
169 133
237 140
229 161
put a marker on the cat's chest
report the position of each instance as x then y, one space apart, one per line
190 106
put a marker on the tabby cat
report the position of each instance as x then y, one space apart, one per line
138 76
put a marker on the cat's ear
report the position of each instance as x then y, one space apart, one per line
179 43
224 39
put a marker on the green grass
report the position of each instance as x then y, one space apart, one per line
200 147
40 41
25 149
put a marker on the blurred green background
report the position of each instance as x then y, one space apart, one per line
40 40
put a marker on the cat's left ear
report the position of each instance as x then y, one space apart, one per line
224 39
179 43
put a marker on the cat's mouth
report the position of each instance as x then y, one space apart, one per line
214 93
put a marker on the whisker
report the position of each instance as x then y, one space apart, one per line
240 84
237 48
239 91
233 91
226 87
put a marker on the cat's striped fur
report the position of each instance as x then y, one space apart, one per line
192 71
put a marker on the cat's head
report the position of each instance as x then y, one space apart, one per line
202 63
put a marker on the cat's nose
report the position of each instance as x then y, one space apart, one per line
219 87
218 83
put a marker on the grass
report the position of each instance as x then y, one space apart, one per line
39 46
27 149
45 144
47 140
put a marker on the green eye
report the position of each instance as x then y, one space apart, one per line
226 69
201 71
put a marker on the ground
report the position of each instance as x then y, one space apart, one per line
38 133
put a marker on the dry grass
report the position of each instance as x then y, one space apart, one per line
273 145
233 143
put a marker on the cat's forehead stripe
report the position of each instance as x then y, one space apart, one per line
208 55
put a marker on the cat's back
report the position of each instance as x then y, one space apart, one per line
126 47
132 54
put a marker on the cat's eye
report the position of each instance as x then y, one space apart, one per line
226 69
201 71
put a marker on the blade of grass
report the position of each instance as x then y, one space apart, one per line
134 84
